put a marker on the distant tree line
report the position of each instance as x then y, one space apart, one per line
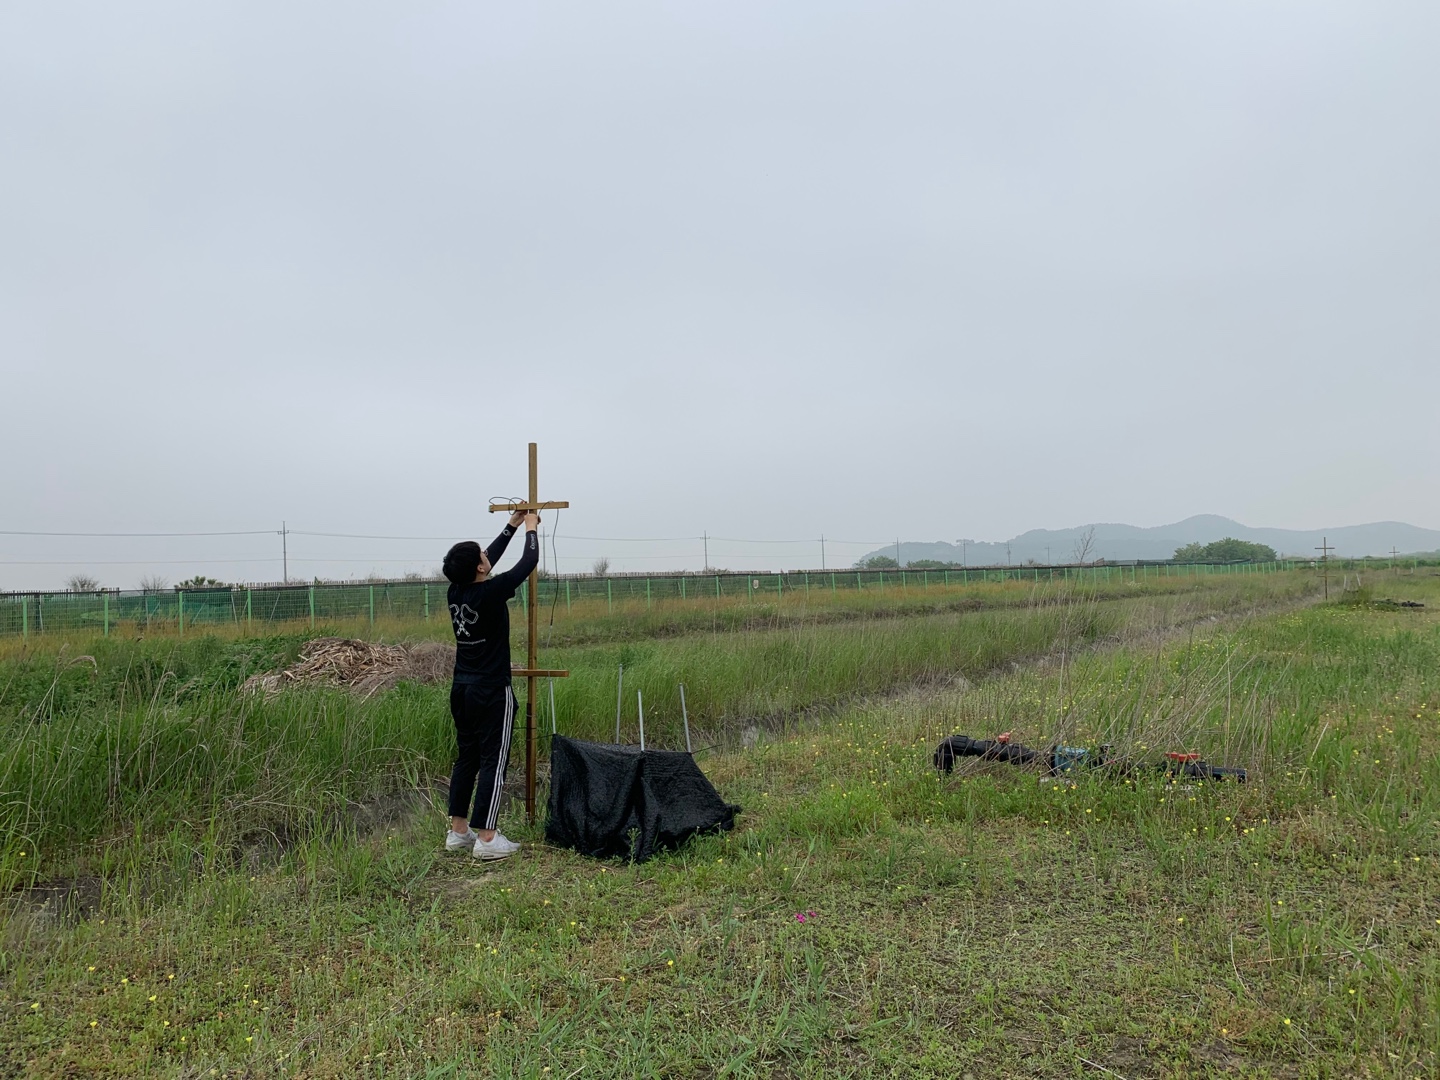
1226 550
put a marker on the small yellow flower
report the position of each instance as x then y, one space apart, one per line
1180 919
251 1038
94 1023
36 1005
668 963
1287 1021
90 968
152 997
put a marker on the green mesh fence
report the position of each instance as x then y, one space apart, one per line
22 614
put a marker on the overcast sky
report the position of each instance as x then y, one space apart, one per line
765 271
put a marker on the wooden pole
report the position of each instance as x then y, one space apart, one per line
1325 550
532 625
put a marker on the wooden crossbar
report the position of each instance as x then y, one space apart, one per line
513 507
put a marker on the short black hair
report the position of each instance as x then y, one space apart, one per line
462 562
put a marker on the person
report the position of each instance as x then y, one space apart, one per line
481 700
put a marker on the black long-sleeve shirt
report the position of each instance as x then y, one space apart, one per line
481 618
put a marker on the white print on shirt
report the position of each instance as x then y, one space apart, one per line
463 616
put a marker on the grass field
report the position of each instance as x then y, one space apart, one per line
253 888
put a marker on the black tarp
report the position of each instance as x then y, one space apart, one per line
608 800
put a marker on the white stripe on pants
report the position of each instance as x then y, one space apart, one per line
492 815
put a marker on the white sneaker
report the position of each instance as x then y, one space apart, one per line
455 841
498 848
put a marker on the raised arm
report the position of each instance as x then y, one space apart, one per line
501 542
508 583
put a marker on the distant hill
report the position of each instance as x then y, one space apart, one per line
1132 542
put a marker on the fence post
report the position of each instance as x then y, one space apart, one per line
749 587
372 607
780 585
24 618
181 609
312 607
105 602
567 610
858 583
647 594
427 601
609 598
832 583
717 586
682 586
249 622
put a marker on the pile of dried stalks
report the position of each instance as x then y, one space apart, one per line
362 666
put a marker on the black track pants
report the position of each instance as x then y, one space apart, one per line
484 717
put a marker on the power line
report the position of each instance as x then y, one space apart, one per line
439 539
138 562
451 538
247 532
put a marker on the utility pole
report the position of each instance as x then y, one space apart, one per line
1325 550
1393 554
285 552
822 551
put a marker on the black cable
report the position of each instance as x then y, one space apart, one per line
555 586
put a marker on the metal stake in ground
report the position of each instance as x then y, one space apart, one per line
532 603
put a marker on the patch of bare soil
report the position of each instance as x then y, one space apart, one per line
362 666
